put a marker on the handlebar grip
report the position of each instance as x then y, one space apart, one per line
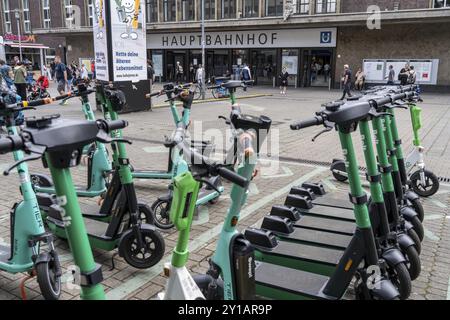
116 125
36 103
151 95
233 177
316 121
214 87
64 96
385 100
6 145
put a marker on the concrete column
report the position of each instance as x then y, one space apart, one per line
312 7
196 9
261 4
177 10
238 8
338 6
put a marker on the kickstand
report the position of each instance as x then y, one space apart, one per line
113 265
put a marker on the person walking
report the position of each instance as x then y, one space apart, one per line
93 69
412 77
284 76
246 74
347 82
84 73
391 76
20 80
179 72
360 80
150 73
61 77
403 76
326 71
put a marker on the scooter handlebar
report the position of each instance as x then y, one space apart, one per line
110 126
37 103
233 177
316 121
10 143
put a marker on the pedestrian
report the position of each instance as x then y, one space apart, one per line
84 74
284 81
52 70
150 73
412 77
20 76
391 76
326 71
246 74
179 72
93 69
313 72
71 75
347 82
7 74
360 77
61 77
200 75
403 76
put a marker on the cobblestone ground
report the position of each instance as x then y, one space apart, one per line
147 130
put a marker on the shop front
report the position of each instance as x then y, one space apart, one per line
33 53
307 54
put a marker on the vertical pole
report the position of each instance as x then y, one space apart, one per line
203 50
19 33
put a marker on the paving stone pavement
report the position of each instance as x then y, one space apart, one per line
147 130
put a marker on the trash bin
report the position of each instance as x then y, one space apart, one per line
135 94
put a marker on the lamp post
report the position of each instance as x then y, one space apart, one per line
203 51
17 14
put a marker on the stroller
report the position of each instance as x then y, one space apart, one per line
39 89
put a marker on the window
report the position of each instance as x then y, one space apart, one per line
46 13
91 12
326 6
26 16
441 3
303 6
210 9
274 8
187 10
68 11
250 8
169 10
7 16
228 9
152 11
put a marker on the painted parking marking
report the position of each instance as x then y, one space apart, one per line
329 184
286 173
159 149
448 289
430 235
143 277
438 203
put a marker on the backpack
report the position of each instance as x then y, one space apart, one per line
69 73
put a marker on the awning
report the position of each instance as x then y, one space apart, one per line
27 45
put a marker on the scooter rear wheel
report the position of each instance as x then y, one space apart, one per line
161 214
49 282
413 262
142 258
418 227
431 180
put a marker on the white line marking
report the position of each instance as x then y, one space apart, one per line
430 235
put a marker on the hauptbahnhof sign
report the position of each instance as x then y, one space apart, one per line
283 38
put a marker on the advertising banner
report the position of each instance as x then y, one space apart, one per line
128 39
101 41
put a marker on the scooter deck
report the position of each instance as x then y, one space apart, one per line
325 224
277 282
324 211
304 257
316 237
334 200
91 211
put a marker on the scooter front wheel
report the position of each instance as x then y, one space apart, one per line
161 214
339 171
431 183
48 280
399 275
142 257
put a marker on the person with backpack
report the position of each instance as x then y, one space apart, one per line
404 75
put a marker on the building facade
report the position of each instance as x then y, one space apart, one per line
313 39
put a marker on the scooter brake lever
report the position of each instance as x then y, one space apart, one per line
209 184
328 128
103 137
38 151
377 114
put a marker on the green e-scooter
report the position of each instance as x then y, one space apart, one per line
177 164
181 285
61 143
98 163
26 252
